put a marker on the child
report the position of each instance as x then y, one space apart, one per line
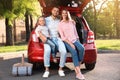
43 33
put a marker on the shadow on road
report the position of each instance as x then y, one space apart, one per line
6 69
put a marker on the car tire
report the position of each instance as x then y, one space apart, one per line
90 66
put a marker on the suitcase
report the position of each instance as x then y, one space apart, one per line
22 69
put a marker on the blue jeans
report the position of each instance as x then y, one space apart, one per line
47 52
77 54
61 48
52 46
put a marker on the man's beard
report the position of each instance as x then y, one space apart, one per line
55 15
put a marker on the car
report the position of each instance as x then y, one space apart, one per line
86 37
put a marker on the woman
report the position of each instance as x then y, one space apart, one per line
70 37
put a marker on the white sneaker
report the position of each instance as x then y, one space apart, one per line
61 73
80 77
46 74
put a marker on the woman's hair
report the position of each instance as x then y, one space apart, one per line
67 14
37 23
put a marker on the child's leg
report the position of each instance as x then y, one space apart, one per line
52 45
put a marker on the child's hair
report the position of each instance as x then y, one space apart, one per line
37 23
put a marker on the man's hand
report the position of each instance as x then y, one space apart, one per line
42 37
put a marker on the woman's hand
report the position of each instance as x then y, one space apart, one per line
73 22
72 46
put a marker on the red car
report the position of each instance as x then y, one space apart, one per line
36 48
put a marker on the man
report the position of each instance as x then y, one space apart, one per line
52 24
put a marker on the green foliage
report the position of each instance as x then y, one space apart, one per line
17 8
13 48
100 44
108 44
105 21
31 6
6 8
89 14
12 9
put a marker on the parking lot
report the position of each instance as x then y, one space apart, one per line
107 68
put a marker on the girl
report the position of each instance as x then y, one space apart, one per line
43 33
70 37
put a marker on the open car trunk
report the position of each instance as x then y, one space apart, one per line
78 4
81 30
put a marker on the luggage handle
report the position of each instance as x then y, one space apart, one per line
22 59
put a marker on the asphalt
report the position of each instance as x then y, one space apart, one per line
107 68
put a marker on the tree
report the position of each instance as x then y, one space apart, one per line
12 9
117 18
31 8
94 11
97 12
6 12
107 18
89 14
25 8
107 21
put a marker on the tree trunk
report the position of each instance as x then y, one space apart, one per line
95 19
27 26
117 19
14 30
9 35
31 23
95 25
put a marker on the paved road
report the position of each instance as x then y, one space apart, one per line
107 68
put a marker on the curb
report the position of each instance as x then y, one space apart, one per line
108 51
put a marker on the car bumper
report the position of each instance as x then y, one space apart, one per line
89 57
90 53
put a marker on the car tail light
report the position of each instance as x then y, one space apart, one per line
90 38
35 38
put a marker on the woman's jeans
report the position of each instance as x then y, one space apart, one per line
77 54
61 48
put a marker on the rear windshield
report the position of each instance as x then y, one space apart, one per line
69 3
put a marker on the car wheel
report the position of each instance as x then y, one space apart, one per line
90 66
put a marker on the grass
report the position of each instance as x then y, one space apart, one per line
108 44
13 48
100 44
